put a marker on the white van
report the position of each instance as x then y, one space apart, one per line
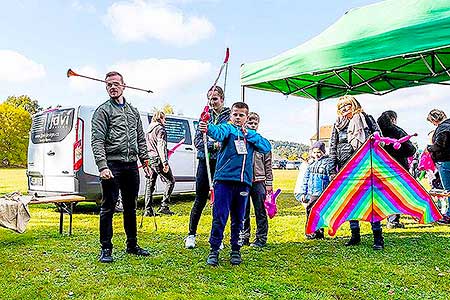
61 162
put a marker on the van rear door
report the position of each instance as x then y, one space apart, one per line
50 160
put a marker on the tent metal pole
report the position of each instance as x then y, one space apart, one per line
242 93
317 120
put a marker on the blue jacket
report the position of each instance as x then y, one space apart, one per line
232 166
221 118
317 176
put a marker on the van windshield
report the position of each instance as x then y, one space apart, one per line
51 126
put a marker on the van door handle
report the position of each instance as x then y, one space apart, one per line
51 153
188 148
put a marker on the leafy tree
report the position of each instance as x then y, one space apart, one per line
25 102
167 108
16 123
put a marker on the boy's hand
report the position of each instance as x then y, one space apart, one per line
203 126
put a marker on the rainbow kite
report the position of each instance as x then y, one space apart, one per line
370 187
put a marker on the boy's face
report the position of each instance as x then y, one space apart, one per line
317 153
253 123
238 116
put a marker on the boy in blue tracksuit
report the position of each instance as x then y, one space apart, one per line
317 177
233 177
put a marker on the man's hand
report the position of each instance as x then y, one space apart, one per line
166 168
106 174
203 126
269 189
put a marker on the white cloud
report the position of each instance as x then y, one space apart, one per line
84 7
83 85
161 75
15 67
140 20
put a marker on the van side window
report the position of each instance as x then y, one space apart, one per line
177 129
51 126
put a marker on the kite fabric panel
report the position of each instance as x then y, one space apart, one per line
370 187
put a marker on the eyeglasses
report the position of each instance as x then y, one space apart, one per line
113 83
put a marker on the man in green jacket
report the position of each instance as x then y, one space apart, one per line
118 141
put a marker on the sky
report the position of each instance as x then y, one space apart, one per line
175 48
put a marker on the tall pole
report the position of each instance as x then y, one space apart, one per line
242 93
318 113
317 120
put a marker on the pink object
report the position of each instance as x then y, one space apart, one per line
387 140
172 151
425 162
271 203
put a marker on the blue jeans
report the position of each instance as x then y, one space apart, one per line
375 225
230 200
444 172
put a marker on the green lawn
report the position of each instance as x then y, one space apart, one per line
41 264
12 180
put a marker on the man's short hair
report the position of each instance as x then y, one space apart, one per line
113 73
253 116
240 105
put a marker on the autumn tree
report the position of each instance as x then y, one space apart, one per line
16 123
25 102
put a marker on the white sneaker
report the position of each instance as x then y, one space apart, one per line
189 242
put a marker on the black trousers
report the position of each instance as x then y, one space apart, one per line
258 195
201 193
126 179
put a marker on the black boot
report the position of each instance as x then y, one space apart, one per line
355 239
213 258
378 241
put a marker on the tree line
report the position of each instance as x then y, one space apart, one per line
287 150
16 118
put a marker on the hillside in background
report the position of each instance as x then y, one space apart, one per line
287 150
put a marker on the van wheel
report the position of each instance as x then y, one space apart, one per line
5 162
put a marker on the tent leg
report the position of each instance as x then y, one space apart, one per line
317 120
243 93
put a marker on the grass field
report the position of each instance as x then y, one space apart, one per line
41 264
12 180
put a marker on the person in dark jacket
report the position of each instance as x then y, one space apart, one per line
219 115
261 186
233 177
352 128
118 141
317 177
388 125
440 152
156 138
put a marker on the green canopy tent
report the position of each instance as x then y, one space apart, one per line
375 49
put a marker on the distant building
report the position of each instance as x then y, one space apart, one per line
324 135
